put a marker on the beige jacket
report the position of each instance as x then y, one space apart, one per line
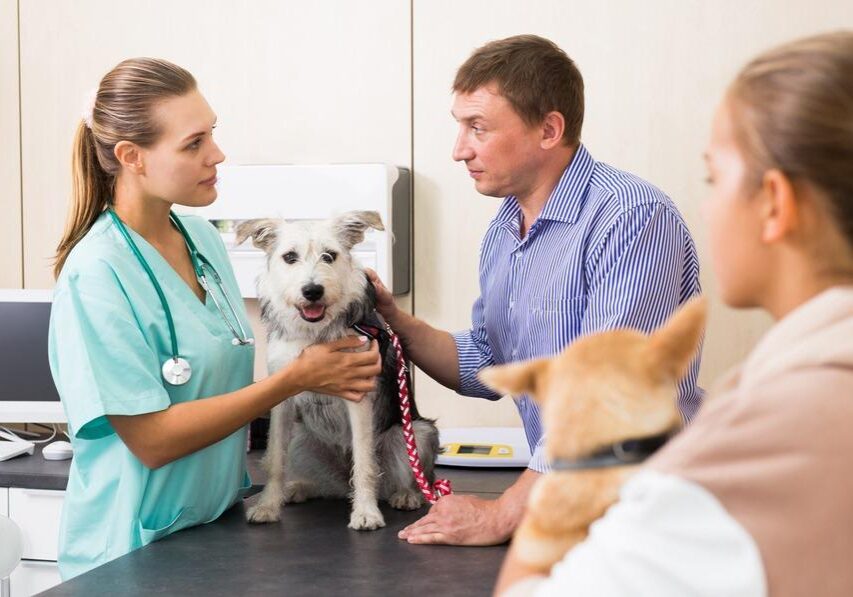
774 444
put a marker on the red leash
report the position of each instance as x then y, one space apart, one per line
441 487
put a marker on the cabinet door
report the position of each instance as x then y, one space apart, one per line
30 578
4 501
37 512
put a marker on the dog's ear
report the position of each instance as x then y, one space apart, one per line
264 233
516 379
673 345
349 227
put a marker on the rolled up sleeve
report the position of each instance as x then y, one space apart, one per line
474 354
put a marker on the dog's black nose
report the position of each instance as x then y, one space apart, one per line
313 292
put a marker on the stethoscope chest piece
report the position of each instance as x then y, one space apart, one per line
177 371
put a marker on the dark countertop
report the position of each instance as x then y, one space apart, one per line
310 552
34 472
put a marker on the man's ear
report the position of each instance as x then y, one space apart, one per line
129 155
780 210
553 126
264 233
517 378
349 227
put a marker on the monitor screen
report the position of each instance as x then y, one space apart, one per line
24 368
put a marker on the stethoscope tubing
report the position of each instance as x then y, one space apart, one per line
177 370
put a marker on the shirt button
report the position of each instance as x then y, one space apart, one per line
511 304
514 353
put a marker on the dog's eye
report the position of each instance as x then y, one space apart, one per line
290 258
329 257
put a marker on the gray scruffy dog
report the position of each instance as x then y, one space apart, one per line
320 446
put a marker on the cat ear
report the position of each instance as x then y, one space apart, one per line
516 379
672 346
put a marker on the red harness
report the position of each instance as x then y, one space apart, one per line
441 487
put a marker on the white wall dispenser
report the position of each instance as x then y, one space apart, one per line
294 192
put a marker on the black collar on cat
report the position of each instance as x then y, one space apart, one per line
624 453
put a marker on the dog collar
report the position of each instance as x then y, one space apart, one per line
629 451
367 330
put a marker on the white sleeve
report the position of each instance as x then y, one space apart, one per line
665 537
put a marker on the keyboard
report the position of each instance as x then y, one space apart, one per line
11 449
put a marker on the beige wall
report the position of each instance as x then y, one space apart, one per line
342 81
291 82
11 272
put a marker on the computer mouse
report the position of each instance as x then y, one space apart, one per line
60 450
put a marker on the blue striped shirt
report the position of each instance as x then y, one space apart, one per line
608 250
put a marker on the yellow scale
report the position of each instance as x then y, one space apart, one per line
483 447
478 450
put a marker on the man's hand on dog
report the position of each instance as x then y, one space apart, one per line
460 520
384 299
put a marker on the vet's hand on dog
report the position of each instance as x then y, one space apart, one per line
458 520
332 370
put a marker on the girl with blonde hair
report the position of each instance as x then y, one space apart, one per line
754 497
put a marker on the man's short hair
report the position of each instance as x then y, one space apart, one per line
533 74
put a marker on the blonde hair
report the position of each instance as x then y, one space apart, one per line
122 111
792 110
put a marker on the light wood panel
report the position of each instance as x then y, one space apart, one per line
11 270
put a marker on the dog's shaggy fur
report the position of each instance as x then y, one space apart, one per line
321 446
603 389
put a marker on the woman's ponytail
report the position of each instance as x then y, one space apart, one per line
91 190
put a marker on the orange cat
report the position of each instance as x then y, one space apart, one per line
607 400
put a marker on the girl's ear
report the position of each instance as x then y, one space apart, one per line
780 210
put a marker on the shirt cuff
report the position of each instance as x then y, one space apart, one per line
471 360
539 461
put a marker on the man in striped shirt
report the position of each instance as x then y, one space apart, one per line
576 247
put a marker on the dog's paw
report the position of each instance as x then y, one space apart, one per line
406 500
296 492
261 513
366 519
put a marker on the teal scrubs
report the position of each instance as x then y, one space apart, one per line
108 341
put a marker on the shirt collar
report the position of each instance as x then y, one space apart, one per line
566 199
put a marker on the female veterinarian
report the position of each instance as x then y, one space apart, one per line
150 345
755 497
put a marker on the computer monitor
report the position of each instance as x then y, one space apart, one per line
27 393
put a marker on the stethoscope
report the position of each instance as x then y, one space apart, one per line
176 369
